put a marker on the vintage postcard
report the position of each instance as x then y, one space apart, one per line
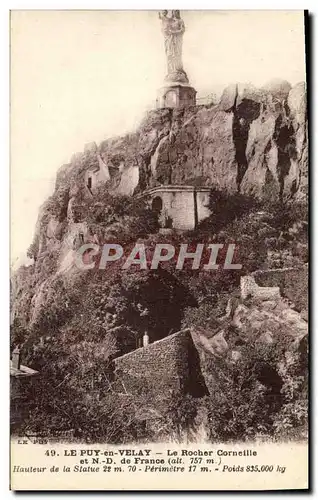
159 250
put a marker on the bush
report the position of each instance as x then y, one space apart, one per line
264 393
122 217
76 327
225 208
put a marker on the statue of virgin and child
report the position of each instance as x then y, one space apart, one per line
173 29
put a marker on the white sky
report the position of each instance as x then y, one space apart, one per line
82 76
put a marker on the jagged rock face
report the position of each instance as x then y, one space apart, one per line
186 147
278 88
253 141
260 319
298 111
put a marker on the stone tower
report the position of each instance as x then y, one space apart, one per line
176 92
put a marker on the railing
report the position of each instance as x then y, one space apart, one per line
207 100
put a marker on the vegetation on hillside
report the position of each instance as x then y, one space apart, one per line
79 325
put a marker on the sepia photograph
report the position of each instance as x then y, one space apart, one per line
159 249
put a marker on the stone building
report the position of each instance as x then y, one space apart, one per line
273 284
179 207
176 96
292 282
97 174
165 367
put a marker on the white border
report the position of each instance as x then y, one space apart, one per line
4 185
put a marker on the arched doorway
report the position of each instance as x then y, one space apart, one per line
157 205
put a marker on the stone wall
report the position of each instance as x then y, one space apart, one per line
293 283
166 367
176 96
179 206
182 206
249 288
182 210
203 199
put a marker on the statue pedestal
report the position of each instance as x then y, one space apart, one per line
176 95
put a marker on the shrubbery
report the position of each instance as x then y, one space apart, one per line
264 393
76 330
114 216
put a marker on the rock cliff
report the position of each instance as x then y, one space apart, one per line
254 141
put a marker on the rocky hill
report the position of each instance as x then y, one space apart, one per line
254 141
252 150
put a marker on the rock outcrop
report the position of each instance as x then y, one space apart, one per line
262 314
254 141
